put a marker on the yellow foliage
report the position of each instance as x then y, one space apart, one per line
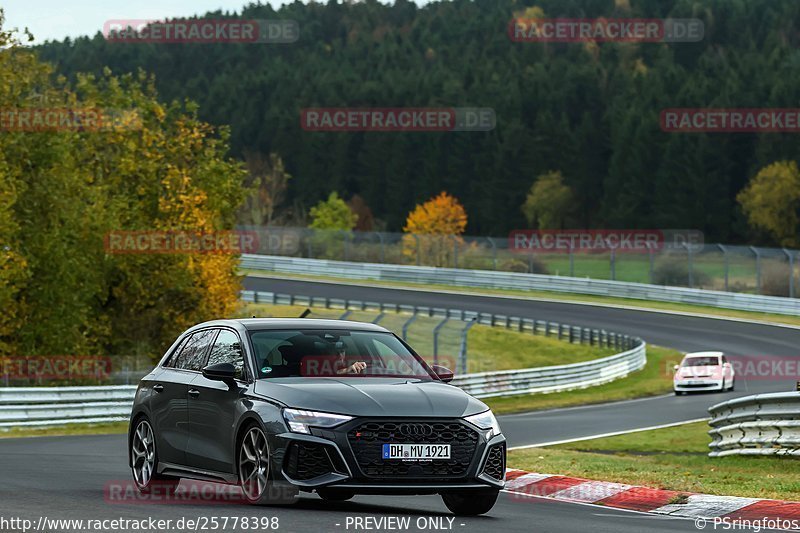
772 199
435 228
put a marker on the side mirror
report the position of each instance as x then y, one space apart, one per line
676 367
223 372
444 373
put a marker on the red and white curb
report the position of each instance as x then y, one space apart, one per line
647 500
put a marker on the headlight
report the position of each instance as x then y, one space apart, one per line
300 421
485 420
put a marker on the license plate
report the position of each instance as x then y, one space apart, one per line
416 452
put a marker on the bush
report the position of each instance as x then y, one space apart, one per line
532 265
775 279
675 272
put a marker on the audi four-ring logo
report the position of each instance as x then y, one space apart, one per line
416 430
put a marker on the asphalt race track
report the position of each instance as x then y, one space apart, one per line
68 477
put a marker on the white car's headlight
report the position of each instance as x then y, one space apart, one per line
485 420
300 421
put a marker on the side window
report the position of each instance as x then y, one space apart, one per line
195 350
173 358
228 349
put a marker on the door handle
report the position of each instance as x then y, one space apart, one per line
158 387
194 393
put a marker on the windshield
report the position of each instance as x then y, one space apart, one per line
334 353
701 361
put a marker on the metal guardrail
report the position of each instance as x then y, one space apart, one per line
48 406
554 378
763 424
510 280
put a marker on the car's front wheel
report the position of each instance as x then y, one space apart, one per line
144 461
470 503
335 495
255 477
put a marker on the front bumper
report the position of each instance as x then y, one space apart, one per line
697 384
348 458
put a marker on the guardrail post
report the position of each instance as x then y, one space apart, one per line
462 354
436 340
572 334
408 323
346 314
758 269
727 264
494 253
571 260
379 317
613 264
383 246
791 272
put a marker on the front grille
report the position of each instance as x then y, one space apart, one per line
367 439
307 461
495 466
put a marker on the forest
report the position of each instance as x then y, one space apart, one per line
586 110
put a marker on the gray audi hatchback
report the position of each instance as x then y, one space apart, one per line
339 408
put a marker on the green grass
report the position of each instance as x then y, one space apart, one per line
654 379
489 348
673 458
110 428
565 297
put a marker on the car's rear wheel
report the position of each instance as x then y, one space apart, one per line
255 477
144 462
335 495
470 503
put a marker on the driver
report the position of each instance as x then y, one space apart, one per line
342 367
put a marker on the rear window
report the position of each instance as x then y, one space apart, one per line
701 361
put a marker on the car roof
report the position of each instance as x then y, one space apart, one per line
704 354
255 324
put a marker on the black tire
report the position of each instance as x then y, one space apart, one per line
679 393
733 385
470 503
335 495
143 450
260 489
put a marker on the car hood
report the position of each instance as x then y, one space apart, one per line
371 396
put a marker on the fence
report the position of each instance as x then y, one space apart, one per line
526 282
459 322
678 263
763 424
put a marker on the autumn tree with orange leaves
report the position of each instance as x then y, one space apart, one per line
434 230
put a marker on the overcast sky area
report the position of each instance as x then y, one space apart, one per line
56 19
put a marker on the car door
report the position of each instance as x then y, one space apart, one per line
169 407
212 408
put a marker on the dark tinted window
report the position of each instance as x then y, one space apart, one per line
194 351
176 352
228 349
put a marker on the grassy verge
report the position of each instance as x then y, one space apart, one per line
642 304
66 430
671 458
490 348
652 380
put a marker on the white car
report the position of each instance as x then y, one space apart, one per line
704 371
